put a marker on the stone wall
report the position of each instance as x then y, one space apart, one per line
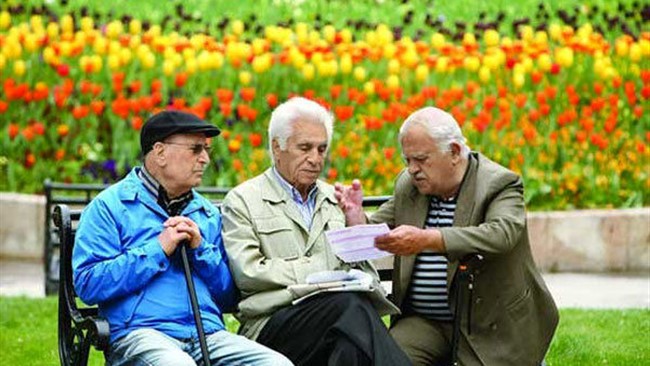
562 241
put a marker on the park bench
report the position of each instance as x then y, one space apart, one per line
79 326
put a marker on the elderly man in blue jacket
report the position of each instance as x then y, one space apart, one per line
126 260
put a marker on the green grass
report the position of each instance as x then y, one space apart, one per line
28 335
200 15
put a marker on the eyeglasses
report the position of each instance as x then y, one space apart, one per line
197 149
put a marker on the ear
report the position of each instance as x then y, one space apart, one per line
159 154
275 146
455 150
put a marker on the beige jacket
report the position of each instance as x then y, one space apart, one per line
270 248
513 316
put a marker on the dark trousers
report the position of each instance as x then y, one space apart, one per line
332 329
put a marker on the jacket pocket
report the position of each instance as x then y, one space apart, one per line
517 308
278 238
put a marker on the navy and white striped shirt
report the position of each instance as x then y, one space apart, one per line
428 295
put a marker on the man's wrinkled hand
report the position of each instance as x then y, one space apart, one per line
409 240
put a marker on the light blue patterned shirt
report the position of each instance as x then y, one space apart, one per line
305 207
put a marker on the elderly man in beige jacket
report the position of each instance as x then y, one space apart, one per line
274 233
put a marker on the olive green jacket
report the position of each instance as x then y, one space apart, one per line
270 248
513 316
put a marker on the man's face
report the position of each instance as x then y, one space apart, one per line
186 158
431 169
302 161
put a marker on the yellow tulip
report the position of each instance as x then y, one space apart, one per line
555 30
392 82
238 27
369 87
259 46
346 35
5 20
346 64
437 40
53 30
262 63
644 44
518 79
204 60
191 66
67 24
148 60
125 56
3 61
541 38
329 32
443 64
100 46
49 55
97 62
635 52
87 24
472 63
308 71
135 42
422 72
359 73
469 39
484 74
245 77
491 38
527 33
564 56
389 50
622 47
19 67
65 48
410 58
114 47
168 67
114 62
544 62
114 29
393 66
155 30
135 27
216 60
31 43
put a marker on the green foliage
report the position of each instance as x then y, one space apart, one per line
28 335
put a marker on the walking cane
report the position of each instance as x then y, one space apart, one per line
195 304
465 277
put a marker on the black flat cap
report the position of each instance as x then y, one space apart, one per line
166 123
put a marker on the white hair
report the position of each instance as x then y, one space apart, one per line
289 112
440 125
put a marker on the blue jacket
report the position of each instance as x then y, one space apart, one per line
118 263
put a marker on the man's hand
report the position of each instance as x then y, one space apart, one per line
176 230
350 200
409 240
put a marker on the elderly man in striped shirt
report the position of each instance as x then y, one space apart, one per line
450 203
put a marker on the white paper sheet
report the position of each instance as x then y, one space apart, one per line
357 243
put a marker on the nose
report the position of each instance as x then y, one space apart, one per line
412 168
204 157
314 156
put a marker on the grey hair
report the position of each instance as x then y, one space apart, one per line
294 109
440 125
